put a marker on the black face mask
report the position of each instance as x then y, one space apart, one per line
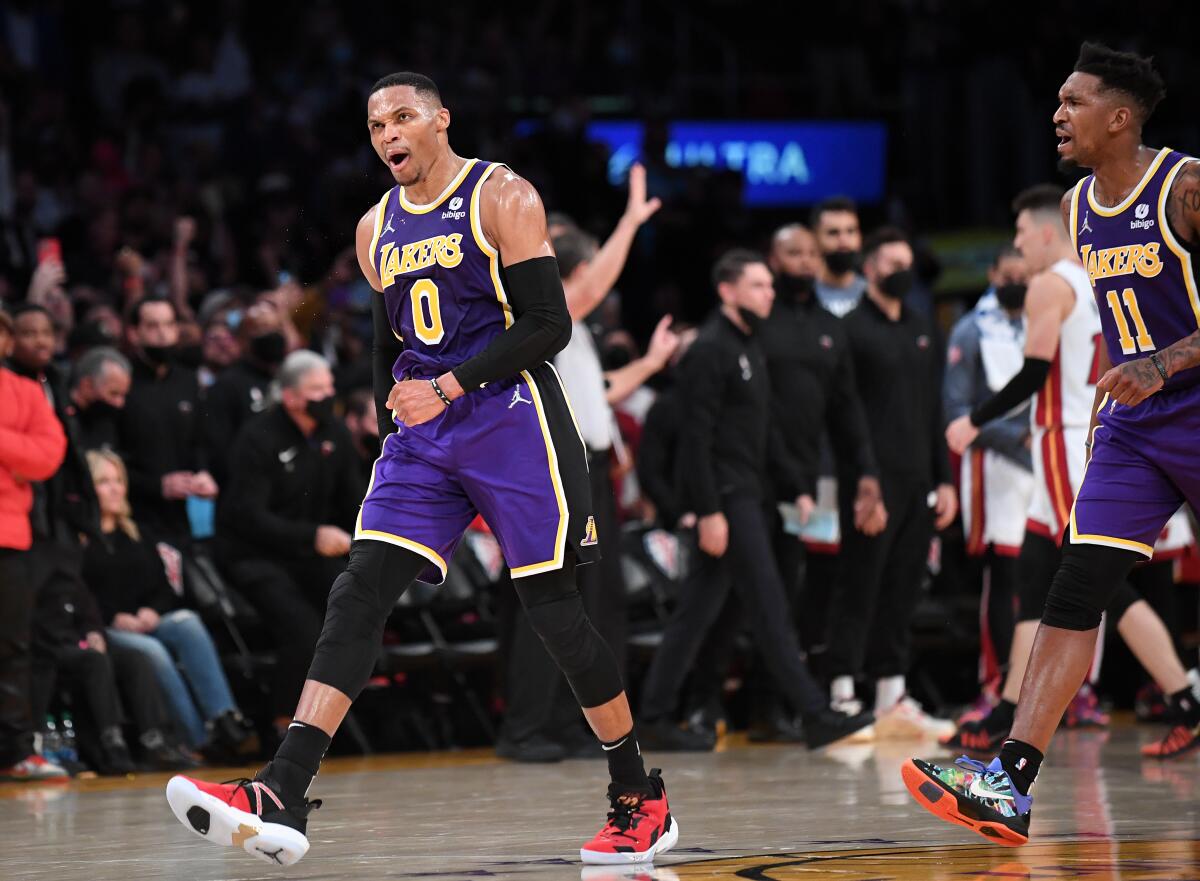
1011 296
159 355
270 348
98 411
898 284
840 262
795 287
751 319
321 411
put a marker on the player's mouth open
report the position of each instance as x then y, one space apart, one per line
1063 140
397 160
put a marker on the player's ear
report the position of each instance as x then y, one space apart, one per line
1120 119
442 119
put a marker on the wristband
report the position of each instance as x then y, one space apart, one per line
441 394
1157 362
1087 444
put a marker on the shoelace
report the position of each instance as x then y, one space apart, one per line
302 809
621 815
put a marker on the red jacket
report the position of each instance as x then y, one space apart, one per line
32 446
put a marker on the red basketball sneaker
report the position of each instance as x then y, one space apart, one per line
243 813
638 827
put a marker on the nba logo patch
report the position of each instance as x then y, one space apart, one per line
589 534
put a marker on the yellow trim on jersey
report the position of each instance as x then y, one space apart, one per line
559 496
1075 215
1132 197
1108 541
491 253
570 409
450 188
379 214
1189 274
400 541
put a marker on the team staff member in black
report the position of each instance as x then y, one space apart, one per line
160 426
285 518
729 445
814 392
897 367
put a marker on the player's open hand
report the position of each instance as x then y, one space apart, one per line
1132 382
415 401
960 434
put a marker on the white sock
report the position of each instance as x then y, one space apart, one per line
888 692
842 689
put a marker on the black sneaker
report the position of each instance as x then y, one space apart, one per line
250 814
830 726
662 736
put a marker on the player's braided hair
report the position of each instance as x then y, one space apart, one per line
1124 72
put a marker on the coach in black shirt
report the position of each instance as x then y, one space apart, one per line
729 445
285 519
898 370
160 426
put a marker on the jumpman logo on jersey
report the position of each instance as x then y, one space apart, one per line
517 399
387 227
1087 227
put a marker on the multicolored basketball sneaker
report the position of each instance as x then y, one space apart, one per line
249 814
1180 740
638 828
974 795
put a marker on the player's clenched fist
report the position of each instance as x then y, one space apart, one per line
1132 382
414 401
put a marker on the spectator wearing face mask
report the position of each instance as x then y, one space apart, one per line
364 428
244 389
159 431
840 285
285 520
99 386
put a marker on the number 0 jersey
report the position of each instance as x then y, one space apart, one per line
442 280
1143 279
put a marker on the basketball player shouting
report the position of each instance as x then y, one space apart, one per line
1135 222
469 285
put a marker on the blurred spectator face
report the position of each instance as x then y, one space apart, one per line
261 332
1009 277
840 239
890 259
109 388
364 426
33 340
311 396
795 260
156 328
753 290
6 339
407 131
221 347
107 319
111 491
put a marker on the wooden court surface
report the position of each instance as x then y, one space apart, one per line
755 812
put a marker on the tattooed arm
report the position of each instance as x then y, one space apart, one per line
1134 381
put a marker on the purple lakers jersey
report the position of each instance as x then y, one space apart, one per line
1143 279
441 278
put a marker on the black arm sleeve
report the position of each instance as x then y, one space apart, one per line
542 328
385 349
1028 380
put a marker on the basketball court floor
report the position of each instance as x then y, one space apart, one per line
755 812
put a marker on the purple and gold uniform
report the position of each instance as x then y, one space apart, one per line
1144 461
509 451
